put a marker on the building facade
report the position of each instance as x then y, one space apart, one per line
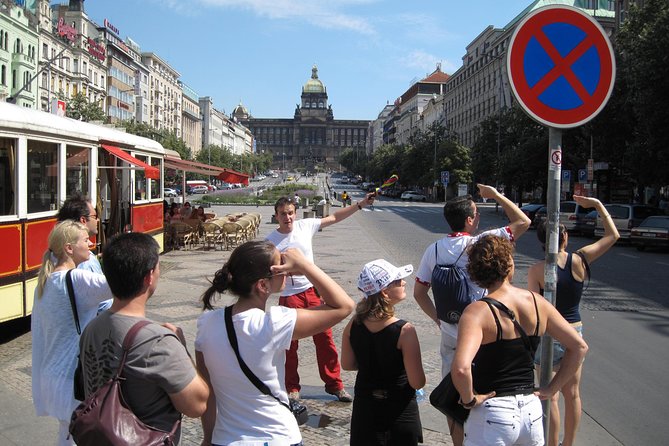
121 83
18 55
311 136
165 95
191 119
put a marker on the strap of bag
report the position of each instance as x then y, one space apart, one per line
503 308
73 303
127 343
232 337
436 254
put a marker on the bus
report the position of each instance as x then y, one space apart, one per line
44 159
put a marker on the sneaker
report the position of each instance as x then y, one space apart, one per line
294 395
342 395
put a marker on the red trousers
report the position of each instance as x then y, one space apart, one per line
326 351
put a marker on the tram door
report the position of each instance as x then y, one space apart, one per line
114 195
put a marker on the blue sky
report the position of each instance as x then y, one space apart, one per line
261 52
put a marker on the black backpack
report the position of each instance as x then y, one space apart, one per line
450 288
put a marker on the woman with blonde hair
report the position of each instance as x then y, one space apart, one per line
55 333
499 335
386 353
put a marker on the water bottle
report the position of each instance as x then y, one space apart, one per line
420 395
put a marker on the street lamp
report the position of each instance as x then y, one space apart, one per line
283 159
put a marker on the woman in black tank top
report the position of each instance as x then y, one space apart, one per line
500 336
386 353
572 271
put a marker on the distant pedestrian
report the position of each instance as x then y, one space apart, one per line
386 353
296 199
572 272
344 199
238 412
55 340
300 292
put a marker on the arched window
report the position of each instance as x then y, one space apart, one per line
313 105
18 47
320 104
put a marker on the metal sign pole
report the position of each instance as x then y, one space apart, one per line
550 270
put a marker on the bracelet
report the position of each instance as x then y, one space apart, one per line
470 404
359 207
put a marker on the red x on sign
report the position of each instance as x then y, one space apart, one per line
561 66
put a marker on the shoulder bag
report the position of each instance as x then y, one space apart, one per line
298 410
104 418
445 397
78 387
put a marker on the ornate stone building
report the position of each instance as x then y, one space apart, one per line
311 136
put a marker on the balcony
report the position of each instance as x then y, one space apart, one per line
22 59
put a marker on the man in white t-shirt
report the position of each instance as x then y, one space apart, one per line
463 217
300 293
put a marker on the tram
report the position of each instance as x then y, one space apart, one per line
44 159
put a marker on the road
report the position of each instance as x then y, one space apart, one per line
624 310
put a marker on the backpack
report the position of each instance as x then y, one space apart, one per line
450 288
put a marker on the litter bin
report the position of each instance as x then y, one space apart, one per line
323 210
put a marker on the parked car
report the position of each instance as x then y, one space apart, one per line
413 195
652 232
275 175
198 190
531 210
589 223
626 217
169 192
572 216
290 178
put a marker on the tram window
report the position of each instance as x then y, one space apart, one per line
42 176
7 176
76 176
140 181
155 184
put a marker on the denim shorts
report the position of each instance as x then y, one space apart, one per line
558 349
515 419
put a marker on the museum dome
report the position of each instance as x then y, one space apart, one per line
314 85
240 112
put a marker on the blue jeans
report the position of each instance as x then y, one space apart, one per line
558 349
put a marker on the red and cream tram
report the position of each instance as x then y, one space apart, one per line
44 159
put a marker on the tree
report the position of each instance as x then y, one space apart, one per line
79 107
169 140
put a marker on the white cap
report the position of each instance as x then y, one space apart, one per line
378 274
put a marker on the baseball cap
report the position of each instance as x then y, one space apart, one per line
378 274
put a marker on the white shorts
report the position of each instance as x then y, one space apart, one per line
449 338
506 420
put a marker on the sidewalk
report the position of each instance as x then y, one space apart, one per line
184 277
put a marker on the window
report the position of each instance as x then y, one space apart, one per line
155 184
45 50
7 176
3 75
76 170
140 180
42 176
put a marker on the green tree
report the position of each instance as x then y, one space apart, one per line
169 140
79 107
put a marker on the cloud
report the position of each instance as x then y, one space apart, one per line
327 14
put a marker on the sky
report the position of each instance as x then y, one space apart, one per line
260 52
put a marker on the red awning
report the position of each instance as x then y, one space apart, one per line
231 176
151 172
191 166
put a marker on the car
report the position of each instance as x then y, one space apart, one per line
275 175
531 210
626 217
413 195
589 223
169 192
291 178
572 216
652 232
199 189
